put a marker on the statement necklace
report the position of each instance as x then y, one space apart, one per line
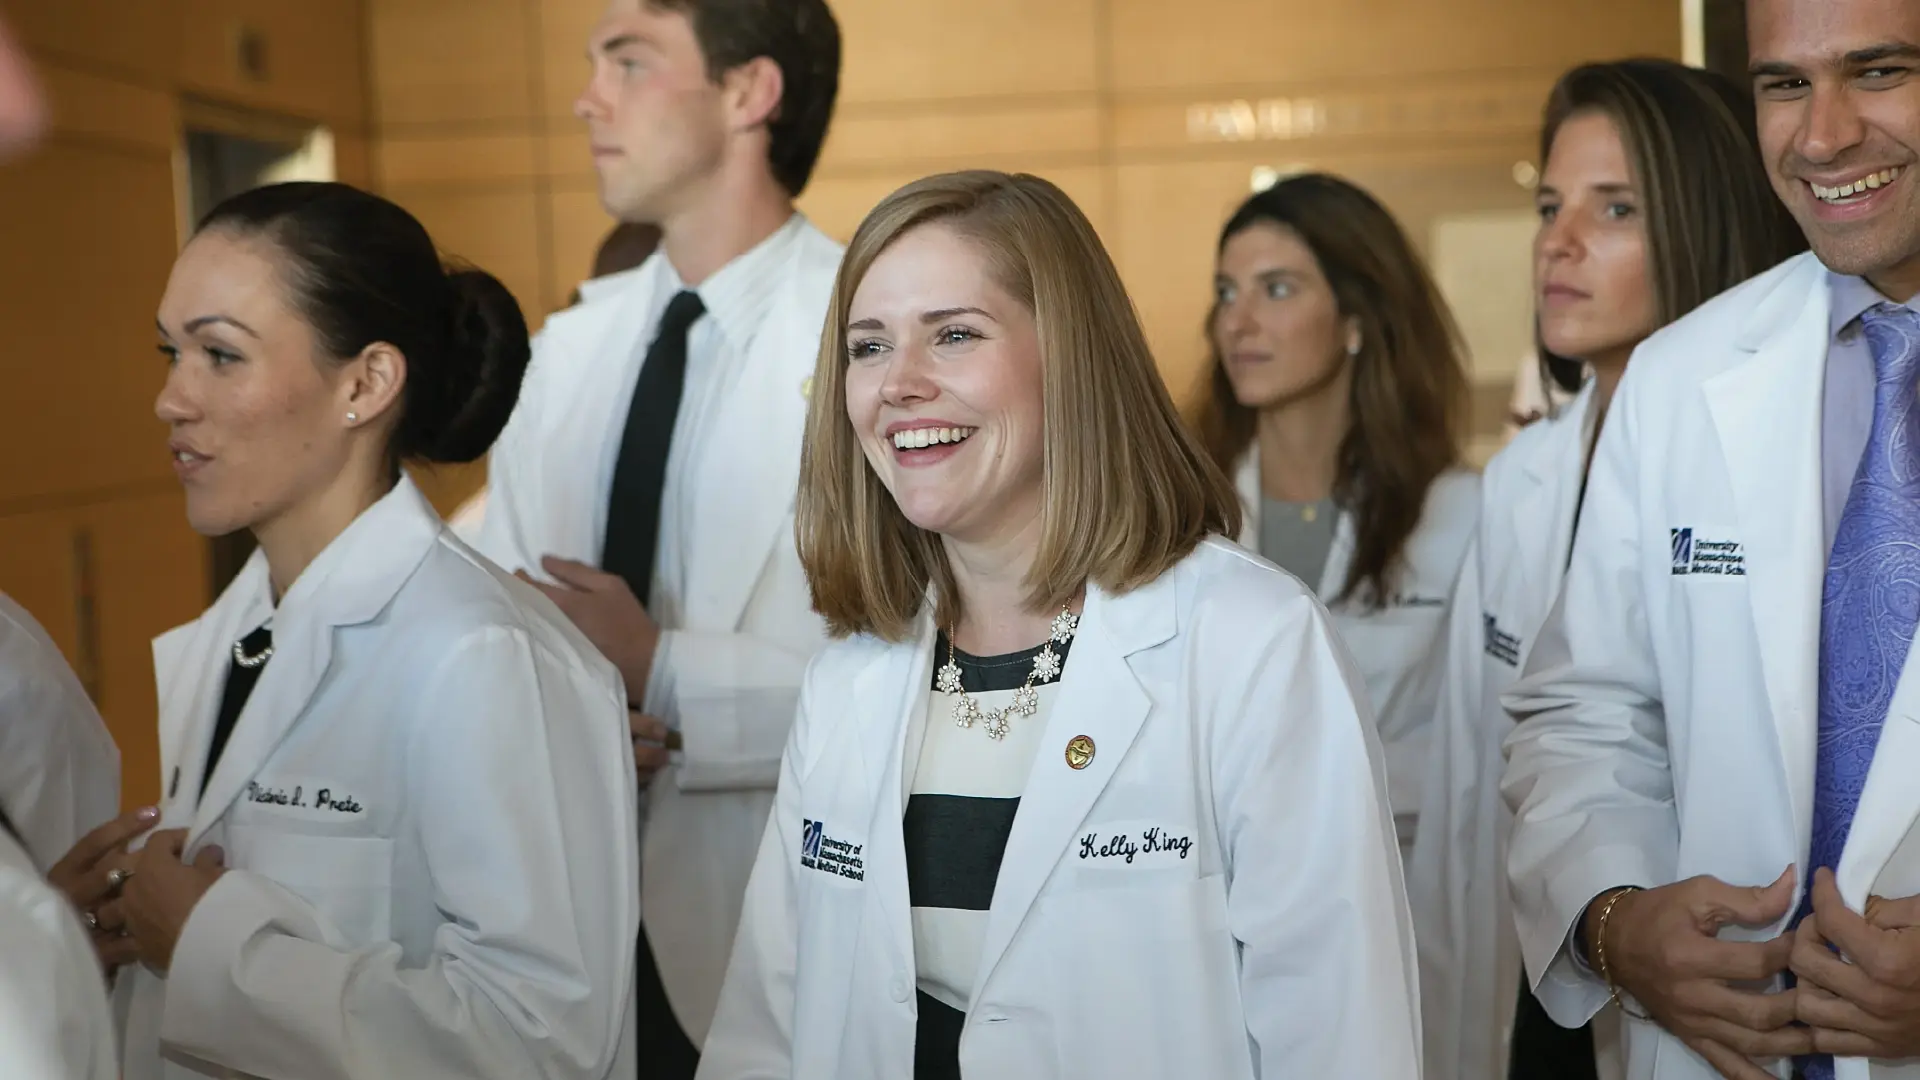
1026 700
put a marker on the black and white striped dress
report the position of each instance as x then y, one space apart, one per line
966 790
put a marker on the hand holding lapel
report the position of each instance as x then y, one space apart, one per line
1864 999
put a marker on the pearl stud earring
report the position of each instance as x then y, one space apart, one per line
353 418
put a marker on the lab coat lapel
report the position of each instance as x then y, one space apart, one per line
1891 800
1770 440
747 468
1102 699
188 666
1548 506
890 695
351 582
1333 576
1246 480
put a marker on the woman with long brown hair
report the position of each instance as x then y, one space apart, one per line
1652 200
1335 398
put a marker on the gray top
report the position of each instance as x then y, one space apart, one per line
1297 536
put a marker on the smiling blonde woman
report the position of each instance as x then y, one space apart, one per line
1082 789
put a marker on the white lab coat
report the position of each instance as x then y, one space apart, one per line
747 628
54 1021
428 809
59 768
1456 880
1670 711
1222 708
1396 645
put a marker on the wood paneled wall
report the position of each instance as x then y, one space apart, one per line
1155 117
93 534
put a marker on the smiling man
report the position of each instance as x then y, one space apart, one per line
647 479
1713 777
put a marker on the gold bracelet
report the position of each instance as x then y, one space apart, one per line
1600 953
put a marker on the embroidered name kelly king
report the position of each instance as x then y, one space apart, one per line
323 798
821 852
1124 847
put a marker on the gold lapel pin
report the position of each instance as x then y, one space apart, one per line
1079 752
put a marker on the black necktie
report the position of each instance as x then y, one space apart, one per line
249 659
640 473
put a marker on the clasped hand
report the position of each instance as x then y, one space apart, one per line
135 903
1864 1000
1662 948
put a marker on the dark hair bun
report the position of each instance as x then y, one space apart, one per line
488 348
364 271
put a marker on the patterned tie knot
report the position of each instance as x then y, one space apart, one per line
1893 330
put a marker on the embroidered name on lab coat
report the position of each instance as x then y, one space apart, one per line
323 799
1130 845
1501 645
838 858
1695 554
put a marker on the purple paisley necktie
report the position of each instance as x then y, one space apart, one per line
1871 600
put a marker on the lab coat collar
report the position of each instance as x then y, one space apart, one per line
1549 505
351 582
1770 440
1100 697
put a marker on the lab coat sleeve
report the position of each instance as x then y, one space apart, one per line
1315 894
752 1033
1588 775
527 824
1456 852
733 695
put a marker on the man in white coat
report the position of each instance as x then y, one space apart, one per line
1714 773
647 478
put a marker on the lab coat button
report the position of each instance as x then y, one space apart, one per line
900 990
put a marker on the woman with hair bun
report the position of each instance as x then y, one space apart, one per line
397 828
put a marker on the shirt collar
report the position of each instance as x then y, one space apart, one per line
1851 297
738 294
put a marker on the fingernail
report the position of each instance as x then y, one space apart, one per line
148 813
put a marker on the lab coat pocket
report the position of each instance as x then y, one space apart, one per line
1152 989
347 879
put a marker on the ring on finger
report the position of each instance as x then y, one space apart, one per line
117 877
93 921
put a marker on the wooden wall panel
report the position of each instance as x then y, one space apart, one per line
139 41
312 56
497 230
564 28
1171 47
449 62
939 52
145 572
79 318
577 222
457 159
94 108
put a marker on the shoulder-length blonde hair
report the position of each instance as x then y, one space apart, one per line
1126 491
